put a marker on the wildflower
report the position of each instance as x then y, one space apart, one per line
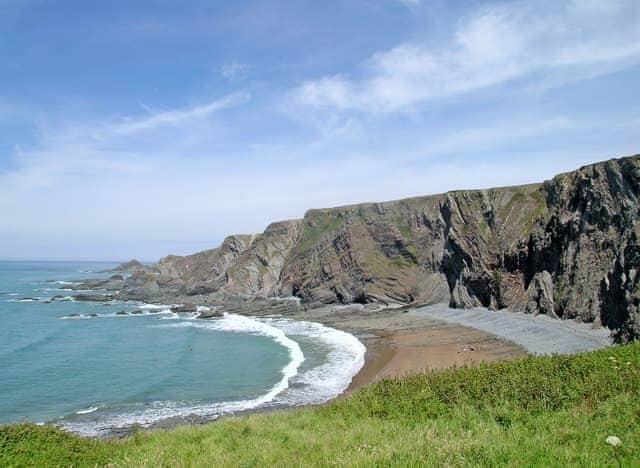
613 441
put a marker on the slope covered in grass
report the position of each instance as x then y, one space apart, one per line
541 411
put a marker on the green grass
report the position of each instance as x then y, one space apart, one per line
316 226
551 411
404 227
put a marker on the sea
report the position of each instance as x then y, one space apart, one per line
86 368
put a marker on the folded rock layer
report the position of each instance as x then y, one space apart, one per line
567 247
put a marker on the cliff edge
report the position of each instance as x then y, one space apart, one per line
567 248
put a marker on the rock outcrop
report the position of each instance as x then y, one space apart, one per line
567 247
127 267
244 265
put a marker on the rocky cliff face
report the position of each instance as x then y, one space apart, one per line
243 265
567 247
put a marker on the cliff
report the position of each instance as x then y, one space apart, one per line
567 247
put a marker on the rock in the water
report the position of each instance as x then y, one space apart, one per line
110 284
184 309
93 297
209 314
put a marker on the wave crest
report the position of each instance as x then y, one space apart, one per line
344 358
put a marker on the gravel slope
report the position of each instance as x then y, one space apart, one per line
538 334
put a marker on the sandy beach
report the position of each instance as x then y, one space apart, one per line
406 341
400 343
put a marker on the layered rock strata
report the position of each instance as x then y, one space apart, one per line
567 247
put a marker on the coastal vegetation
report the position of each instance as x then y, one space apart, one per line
538 411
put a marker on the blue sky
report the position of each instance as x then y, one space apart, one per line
138 129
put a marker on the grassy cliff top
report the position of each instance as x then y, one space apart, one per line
538 411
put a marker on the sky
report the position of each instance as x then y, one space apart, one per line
143 128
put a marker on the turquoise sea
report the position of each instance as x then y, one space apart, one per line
94 375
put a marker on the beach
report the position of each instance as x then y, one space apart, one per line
400 343
410 340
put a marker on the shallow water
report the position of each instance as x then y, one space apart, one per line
94 374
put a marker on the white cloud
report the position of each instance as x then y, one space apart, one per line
233 70
100 150
495 45
176 116
161 181
112 202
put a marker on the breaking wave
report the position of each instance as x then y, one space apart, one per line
344 358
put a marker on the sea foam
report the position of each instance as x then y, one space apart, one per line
345 357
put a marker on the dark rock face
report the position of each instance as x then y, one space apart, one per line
567 247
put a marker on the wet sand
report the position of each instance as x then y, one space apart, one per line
405 341
400 342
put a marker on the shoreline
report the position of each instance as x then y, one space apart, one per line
399 341
401 344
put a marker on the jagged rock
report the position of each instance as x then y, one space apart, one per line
140 286
110 284
541 295
184 309
93 297
209 314
130 266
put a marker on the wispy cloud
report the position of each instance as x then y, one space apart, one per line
177 116
105 148
233 70
129 197
494 45
161 179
